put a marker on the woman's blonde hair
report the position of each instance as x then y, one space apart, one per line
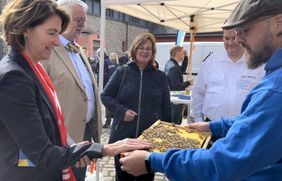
20 15
139 41
114 57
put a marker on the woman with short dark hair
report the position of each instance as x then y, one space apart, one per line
138 95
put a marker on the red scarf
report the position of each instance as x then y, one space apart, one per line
51 93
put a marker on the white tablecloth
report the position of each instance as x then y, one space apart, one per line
179 97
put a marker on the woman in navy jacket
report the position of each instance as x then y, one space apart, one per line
138 95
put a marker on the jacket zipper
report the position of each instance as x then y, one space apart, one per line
117 125
139 104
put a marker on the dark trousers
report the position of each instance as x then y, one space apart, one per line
108 117
81 172
176 113
124 176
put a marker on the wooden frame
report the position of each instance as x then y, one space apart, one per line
203 138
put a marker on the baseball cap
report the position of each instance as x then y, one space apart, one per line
249 10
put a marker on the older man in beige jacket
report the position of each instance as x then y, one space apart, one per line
73 78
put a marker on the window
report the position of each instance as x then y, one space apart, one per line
120 16
110 13
90 6
126 18
124 48
97 7
96 45
94 8
133 20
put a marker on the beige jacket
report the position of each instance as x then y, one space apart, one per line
72 95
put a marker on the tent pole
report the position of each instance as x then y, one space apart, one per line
101 68
192 40
190 56
102 46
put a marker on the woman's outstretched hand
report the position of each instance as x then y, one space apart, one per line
124 145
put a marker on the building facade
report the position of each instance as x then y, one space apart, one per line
120 30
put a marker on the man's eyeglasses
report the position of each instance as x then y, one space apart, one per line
142 49
79 21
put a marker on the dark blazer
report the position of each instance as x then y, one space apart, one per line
145 92
28 127
174 75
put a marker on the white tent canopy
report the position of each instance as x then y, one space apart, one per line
208 15
200 15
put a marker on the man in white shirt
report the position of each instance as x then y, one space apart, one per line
223 82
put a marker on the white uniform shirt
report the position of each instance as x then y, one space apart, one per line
221 87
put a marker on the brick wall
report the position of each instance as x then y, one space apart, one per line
116 33
3 46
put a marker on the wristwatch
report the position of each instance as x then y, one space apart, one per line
147 163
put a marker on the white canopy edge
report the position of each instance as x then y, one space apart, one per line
208 15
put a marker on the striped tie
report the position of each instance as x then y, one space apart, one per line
71 46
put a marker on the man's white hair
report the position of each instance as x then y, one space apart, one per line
70 3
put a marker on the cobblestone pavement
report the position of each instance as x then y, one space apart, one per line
107 163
